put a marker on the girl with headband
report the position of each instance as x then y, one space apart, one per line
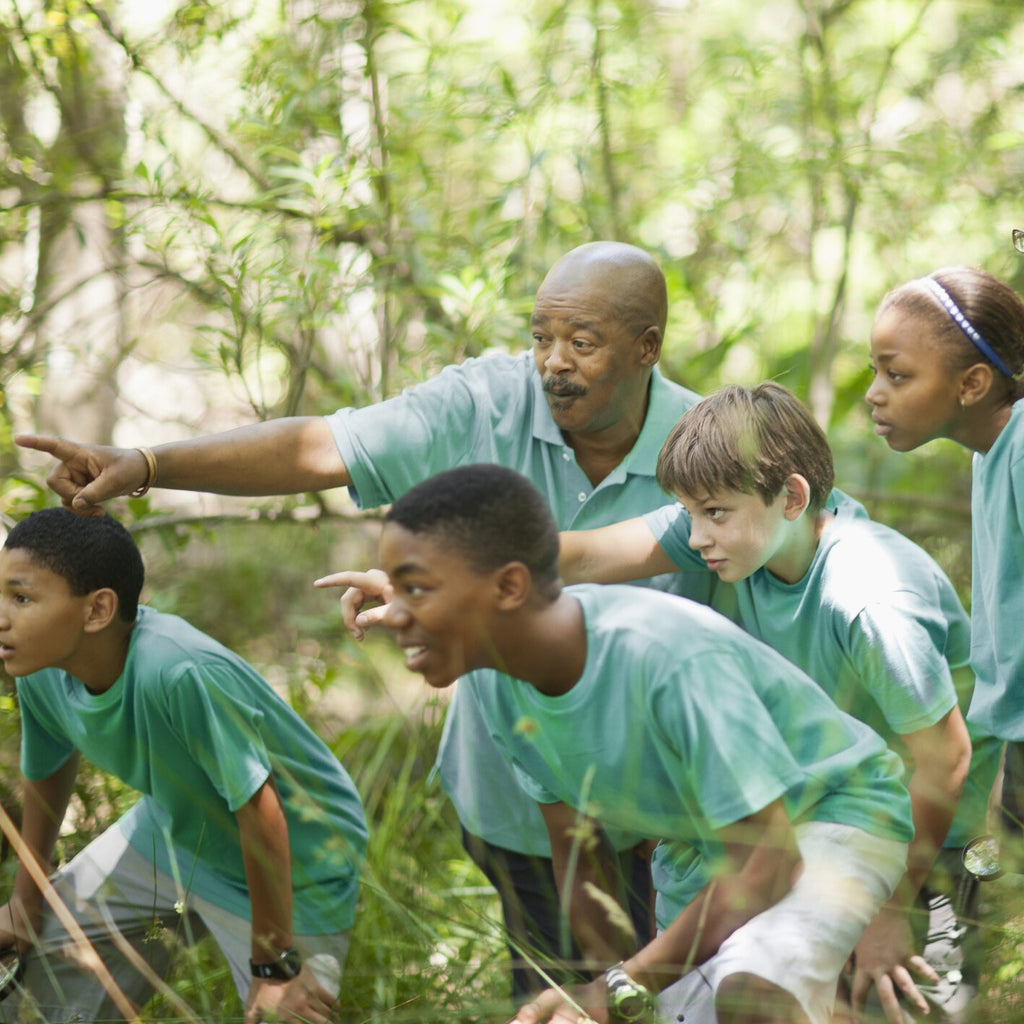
947 352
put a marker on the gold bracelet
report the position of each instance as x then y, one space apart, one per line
150 472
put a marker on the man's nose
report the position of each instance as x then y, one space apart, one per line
559 358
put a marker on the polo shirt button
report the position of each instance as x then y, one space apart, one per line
582 496
567 456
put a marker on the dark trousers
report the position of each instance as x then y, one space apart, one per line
1012 802
533 918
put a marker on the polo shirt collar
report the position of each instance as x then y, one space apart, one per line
642 458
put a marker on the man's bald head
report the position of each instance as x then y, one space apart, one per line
632 282
598 322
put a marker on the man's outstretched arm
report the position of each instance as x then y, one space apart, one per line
284 456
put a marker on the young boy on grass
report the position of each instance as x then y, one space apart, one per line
247 828
653 715
861 609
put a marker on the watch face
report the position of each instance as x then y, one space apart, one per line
631 1004
628 1000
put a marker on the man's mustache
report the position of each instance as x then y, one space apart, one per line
563 388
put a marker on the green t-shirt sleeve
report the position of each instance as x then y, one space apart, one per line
221 730
466 413
898 654
716 742
45 746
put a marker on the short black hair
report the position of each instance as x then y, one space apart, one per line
490 516
89 552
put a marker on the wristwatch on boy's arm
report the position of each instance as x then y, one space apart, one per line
628 1001
286 966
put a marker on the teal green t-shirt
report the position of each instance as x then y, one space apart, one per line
682 723
876 623
997 583
197 731
493 409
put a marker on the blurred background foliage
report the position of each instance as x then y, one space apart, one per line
215 212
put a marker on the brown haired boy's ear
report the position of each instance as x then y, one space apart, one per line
513 583
798 496
101 610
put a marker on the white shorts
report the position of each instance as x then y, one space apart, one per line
802 942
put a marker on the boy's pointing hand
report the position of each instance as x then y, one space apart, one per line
373 585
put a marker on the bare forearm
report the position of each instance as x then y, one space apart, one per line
267 858
696 934
764 852
942 756
600 924
612 554
587 875
932 816
44 805
286 456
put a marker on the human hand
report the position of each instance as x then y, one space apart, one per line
574 1004
302 998
373 585
884 958
88 474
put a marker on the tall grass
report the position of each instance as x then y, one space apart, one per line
427 944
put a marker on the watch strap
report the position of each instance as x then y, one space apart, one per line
285 967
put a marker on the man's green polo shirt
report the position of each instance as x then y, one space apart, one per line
493 409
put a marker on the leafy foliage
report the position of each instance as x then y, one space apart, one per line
211 213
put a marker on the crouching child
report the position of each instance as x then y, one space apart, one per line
647 713
248 828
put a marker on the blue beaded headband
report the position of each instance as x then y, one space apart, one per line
965 325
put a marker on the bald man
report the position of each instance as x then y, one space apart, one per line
583 416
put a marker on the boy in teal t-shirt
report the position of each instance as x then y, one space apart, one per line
723 749
248 827
864 611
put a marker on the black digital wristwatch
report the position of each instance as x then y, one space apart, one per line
284 968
